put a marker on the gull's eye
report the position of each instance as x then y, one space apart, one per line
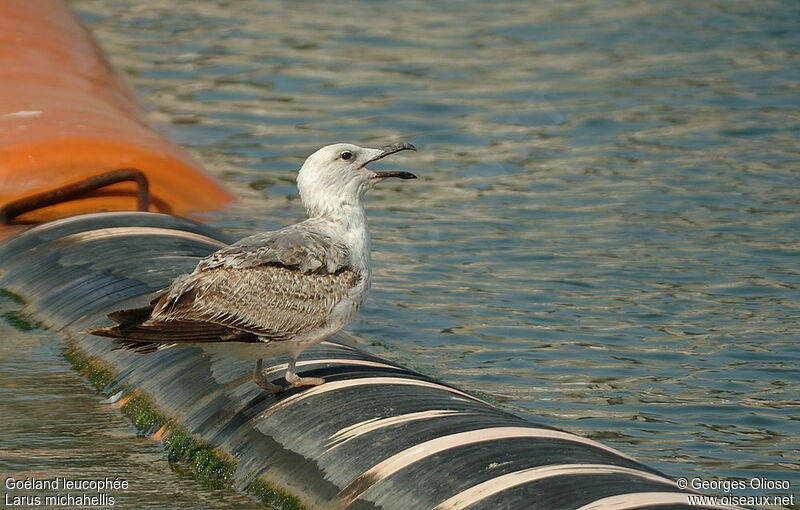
346 155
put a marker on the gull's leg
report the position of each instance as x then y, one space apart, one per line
262 381
295 380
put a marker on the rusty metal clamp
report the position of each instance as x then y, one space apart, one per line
78 189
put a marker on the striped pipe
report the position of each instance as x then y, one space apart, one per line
376 435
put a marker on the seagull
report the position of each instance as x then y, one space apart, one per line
275 292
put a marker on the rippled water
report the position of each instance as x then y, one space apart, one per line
52 425
605 235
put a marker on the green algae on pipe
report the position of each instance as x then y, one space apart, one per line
207 466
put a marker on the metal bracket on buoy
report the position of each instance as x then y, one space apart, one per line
79 189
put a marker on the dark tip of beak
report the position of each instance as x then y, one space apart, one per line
392 149
398 174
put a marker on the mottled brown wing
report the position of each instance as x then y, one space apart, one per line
271 301
303 247
273 286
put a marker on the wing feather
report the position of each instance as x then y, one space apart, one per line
303 246
273 302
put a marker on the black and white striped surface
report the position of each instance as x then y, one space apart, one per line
376 435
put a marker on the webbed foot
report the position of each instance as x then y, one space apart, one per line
262 381
297 381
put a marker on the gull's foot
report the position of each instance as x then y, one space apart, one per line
262 381
297 381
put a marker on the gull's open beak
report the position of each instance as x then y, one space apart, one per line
386 151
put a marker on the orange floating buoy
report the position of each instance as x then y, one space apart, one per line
69 125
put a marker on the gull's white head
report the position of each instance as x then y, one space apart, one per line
337 175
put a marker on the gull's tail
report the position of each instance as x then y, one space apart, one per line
135 330
126 331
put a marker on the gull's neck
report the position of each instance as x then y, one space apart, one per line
348 223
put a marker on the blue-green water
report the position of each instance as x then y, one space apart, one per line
606 233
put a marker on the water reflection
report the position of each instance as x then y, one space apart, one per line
53 425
